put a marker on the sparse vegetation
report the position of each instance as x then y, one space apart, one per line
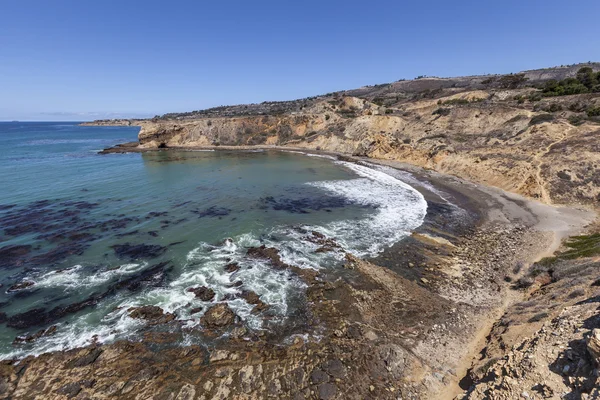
441 111
593 111
586 81
576 120
540 119
512 81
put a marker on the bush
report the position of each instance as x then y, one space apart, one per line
535 96
586 81
540 119
593 111
512 81
441 111
576 120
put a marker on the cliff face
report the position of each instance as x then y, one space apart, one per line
489 129
491 139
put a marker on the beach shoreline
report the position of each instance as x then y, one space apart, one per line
437 295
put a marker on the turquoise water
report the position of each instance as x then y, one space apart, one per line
86 236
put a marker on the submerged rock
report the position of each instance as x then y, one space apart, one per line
13 256
30 338
20 286
218 316
152 314
203 293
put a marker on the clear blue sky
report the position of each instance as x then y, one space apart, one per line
80 60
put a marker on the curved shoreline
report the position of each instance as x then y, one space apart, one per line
351 313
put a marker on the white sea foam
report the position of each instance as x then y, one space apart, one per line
76 277
400 209
397 210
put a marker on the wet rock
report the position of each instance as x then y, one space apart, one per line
196 310
327 244
267 253
138 251
3 317
232 267
39 316
13 256
218 316
20 286
30 338
253 298
154 315
203 293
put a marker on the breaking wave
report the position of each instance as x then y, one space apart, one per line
397 208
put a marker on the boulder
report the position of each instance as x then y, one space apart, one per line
203 293
20 286
151 314
218 316
593 345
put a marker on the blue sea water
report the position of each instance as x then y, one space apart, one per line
84 236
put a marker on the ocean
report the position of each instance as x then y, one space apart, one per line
84 237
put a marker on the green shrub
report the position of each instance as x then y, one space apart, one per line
585 81
535 96
593 111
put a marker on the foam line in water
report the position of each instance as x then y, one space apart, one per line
397 210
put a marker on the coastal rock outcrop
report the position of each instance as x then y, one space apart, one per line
218 317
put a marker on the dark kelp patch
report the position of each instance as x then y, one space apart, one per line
138 251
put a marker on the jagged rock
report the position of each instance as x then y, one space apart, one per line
218 316
30 338
253 298
268 253
593 345
196 310
203 293
152 314
20 286
232 267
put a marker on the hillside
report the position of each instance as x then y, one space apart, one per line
517 132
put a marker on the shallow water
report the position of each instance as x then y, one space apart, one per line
95 234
